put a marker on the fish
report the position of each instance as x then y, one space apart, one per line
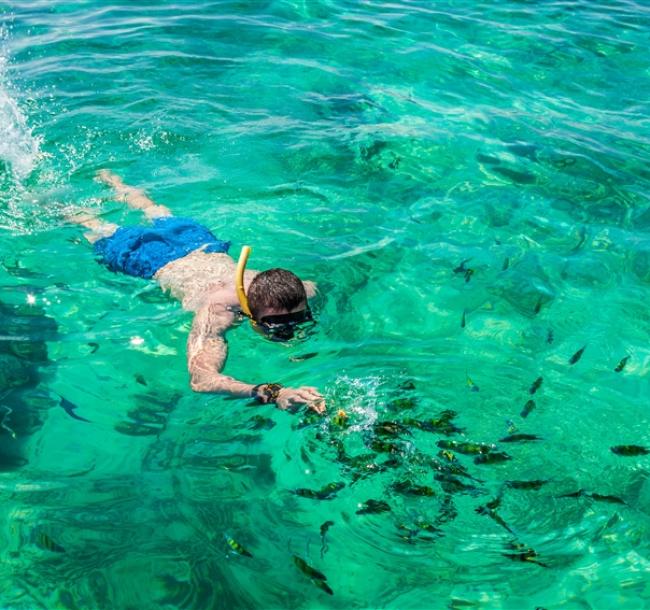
463 320
471 385
384 447
523 149
461 268
629 450
434 425
468 274
606 498
409 384
390 428
451 484
621 365
515 176
323 532
577 355
409 489
466 447
259 422
549 336
139 378
522 553
450 456
326 493
536 385
519 438
70 408
506 264
401 404
321 584
45 542
94 346
538 305
489 509
528 407
307 570
340 419
494 457
373 507
532 485
303 357
237 548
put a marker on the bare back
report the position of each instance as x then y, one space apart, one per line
195 278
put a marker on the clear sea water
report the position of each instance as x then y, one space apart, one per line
468 184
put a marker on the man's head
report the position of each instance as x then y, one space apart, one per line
278 302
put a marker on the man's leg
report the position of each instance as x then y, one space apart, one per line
98 228
133 197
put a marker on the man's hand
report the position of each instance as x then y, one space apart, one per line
288 398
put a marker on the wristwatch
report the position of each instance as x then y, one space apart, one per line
266 392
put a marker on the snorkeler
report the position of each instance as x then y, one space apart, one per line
187 260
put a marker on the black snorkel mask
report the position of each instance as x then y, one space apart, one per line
280 327
284 327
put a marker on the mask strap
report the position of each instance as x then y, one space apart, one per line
239 280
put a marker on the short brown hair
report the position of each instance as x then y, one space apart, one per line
275 288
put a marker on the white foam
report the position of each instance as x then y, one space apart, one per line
19 148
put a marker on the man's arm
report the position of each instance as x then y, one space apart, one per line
206 356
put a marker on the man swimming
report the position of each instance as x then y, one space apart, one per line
187 260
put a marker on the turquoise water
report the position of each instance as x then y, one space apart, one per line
382 149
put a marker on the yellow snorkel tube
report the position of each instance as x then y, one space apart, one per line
239 280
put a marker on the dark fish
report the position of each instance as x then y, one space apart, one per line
629 450
466 447
506 263
259 422
519 438
303 357
326 493
323 586
549 336
384 446
468 274
528 407
461 268
323 532
514 175
45 542
70 408
94 347
573 494
577 355
536 385
434 425
463 321
402 403
605 498
373 507
621 365
237 548
494 457
410 489
528 556
482 158
533 485
307 570
522 149
407 385
139 378
451 484
390 428
538 305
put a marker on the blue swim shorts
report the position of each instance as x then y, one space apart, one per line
141 251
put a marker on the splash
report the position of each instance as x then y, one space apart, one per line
19 148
